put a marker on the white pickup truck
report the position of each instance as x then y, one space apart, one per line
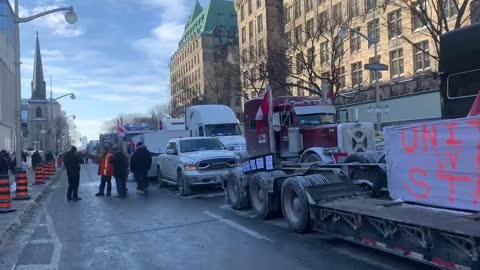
194 161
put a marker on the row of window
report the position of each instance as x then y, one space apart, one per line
186 51
259 4
186 81
187 67
253 52
251 29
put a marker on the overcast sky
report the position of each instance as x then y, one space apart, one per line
115 59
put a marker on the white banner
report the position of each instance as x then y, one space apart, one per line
435 163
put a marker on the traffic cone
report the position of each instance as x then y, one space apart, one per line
22 185
39 175
5 199
45 172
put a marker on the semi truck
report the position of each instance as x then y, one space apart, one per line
431 214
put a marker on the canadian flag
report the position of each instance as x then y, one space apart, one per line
263 110
475 110
120 128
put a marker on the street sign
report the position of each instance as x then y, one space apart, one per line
376 66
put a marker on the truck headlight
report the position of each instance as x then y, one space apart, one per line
190 167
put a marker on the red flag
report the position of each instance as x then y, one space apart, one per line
475 110
120 128
263 110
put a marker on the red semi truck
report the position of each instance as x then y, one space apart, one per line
292 171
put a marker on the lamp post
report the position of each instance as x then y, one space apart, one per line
50 115
342 35
70 17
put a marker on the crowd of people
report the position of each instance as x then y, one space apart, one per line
113 163
8 162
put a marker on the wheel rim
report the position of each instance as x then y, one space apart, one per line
233 190
258 198
292 205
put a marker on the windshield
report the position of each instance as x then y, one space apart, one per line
315 119
222 130
200 145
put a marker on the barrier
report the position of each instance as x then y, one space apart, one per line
21 181
5 199
39 175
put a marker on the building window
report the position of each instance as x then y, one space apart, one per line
250 30
288 14
354 8
259 3
450 7
320 2
337 13
311 56
299 60
261 50
216 40
355 41
371 60
416 16
370 5
394 24
421 56
298 34
38 112
396 63
373 31
242 13
297 10
341 77
324 55
322 21
244 34
310 30
357 78
260 23
288 37
249 4
252 53
308 5
244 56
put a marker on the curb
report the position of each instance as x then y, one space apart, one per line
32 204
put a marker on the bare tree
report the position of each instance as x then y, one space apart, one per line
110 126
159 112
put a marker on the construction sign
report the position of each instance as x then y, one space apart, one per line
435 163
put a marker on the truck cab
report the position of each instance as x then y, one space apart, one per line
306 130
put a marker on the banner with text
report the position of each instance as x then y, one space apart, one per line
435 163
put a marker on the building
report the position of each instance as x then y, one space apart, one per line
205 69
45 118
7 77
318 56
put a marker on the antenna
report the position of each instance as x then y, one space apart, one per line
51 92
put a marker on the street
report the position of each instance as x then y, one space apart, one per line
164 231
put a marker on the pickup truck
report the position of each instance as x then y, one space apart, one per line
194 161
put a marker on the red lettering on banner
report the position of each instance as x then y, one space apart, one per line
419 183
476 123
410 148
452 178
432 135
451 131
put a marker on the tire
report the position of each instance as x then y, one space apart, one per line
310 158
234 194
183 187
374 178
265 204
162 183
295 207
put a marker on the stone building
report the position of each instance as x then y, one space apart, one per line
205 69
7 78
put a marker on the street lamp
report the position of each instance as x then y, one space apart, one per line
70 17
50 115
72 116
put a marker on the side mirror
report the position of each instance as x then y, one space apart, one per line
171 152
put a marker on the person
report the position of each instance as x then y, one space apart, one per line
105 170
12 162
36 159
72 164
120 171
4 166
140 164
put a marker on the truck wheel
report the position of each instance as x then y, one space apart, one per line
263 203
162 183
310 158
295 206
374 178
235 198
183 186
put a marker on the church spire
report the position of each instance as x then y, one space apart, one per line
38 82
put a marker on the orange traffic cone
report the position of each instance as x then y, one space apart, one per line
39 175
5 199
21 192
45 172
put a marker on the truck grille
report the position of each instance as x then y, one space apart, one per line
359 142
216 164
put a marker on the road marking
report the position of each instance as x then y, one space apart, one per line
238 226
41 241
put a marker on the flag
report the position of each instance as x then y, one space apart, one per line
263 110
475 110
120 128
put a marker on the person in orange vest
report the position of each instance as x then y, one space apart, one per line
105 170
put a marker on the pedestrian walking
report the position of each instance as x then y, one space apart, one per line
4 164
36 159
120 171
140 164
105 170
72 164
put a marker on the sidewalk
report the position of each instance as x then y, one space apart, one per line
36 192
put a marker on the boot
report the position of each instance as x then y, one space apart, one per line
99 194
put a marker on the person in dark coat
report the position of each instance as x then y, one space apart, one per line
72 164
36 159
140 165
4 165
120 171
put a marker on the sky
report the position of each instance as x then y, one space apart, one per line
115 58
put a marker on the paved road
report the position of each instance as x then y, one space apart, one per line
164 231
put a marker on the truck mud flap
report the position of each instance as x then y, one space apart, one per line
332 191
